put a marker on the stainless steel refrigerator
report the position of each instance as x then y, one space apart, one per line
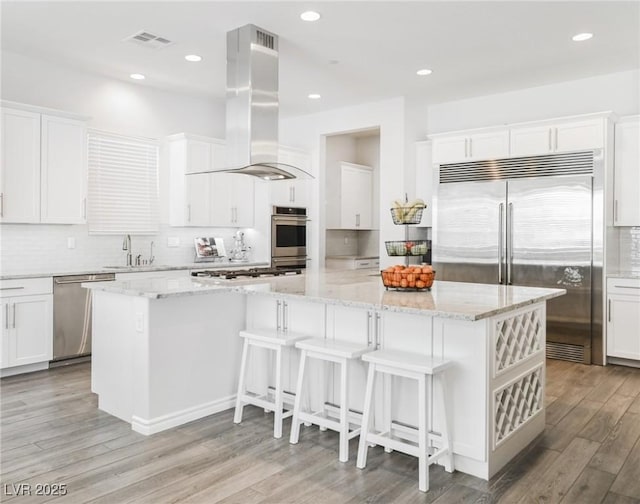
532 222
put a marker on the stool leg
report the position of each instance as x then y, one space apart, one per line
423 458
446 434
387 387
295 422
323 390
344 411
237 417
366 418
277 414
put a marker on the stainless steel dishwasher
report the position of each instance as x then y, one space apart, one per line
72 316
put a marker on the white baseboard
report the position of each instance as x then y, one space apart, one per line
161 423
27 368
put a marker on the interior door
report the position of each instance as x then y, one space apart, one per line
469 230
549 245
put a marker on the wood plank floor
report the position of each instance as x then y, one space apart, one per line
52 432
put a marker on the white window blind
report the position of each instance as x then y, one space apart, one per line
123 184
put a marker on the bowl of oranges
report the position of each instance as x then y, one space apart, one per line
418 277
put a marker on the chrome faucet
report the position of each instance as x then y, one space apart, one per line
151 258
126 245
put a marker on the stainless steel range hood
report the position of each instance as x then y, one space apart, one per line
252 106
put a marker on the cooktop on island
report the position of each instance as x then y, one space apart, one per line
251 272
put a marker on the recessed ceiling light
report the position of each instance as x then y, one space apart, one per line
424 71
193 57
580 37
137 76
310 16
315 96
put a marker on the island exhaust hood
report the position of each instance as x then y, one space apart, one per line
252 106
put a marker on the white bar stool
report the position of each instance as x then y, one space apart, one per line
271 340
417 367
339 352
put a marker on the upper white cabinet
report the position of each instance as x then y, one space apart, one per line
535 139
292 192
424 180
470 146
232 200
350 197
626 211
44 167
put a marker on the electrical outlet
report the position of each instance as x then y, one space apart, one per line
71 243
173 241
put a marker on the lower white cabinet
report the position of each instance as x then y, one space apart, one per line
27 321
351 263
623 318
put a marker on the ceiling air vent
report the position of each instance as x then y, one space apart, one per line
265 39
150 40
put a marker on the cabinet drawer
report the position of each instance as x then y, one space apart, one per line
628 286
26 286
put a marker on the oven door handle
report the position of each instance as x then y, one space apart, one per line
290 219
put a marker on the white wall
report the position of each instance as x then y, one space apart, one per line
618 92
309 132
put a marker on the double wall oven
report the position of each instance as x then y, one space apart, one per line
289 237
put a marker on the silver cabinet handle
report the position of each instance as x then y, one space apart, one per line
378 331
500 241
189 212
290 194
357 220
615 210
510 242
11 288
14 315
369 316
1 204
293 189
278 315
285 315
470 147
626 287
556 139
466 140
609 315
6 316
550 146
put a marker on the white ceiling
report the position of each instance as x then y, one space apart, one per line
358 52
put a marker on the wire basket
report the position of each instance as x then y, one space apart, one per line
410 278
407 215
406 247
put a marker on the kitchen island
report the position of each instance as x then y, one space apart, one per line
174 346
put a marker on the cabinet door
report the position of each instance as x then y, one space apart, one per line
424 180
281 193
197 200
623 326
4 333
531 140
222 213
31 330
243 201
356 198
64 171
449 149
627 174
199 156
20 168
493 145
579 135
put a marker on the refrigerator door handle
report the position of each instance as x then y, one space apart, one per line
509 242
500 241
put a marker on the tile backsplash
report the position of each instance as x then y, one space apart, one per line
26 248
629 249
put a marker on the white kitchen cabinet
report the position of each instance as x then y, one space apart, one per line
350 197
198 204
232 200
424 180
623 318
292 192
27 322
626 210
44 167
547 138
470 146
351 262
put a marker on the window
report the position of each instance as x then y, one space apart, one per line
123 184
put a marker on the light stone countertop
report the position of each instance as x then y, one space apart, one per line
356 288
133 269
